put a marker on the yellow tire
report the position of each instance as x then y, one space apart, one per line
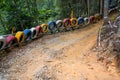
20 36
96 17
46 28
74 22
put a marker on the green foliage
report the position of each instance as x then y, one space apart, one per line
23 14
20 14
46 14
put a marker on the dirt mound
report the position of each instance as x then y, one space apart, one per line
110 53
109 45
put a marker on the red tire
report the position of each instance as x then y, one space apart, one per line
67 23
92 19
39 30
11 40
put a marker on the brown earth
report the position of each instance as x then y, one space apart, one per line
61 56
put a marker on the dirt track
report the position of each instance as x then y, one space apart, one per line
62 56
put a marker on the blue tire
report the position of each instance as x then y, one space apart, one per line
27 34
52 26
81 21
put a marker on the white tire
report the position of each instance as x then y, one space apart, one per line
87 20
2 42
59 24
34 33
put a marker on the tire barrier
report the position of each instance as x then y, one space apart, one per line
92 19
11 40
2 42
33 33
39 31
52 26
20 36
27 34
81 21
44 28
97 18
86 21
59 25
74 22
67 23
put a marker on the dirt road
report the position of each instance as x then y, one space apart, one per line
61 56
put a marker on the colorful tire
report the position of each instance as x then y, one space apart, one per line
87 21
20 36
74 22
52 26
59 25
33 33
96 17
81 21
39 30
2 42
67 23
92 19
100 16
11 40
46 28
27 34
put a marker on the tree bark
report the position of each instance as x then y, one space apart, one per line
105 11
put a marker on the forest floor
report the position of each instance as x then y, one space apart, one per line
62 56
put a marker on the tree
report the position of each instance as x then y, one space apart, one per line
21 14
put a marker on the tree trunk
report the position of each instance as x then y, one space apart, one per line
105 10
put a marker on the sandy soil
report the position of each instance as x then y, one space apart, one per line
61 56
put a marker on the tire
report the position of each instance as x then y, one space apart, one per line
81 21
92 19
46 28
74 22
39 31
27 34
33 33
2 42
59 25
100 16
20 36
96 17
11 40
67 23
52 26
87 20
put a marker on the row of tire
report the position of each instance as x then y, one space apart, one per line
53 26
